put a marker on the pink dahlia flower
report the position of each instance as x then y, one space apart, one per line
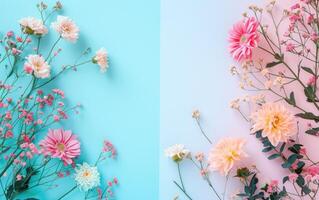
243 37
66 28
61 144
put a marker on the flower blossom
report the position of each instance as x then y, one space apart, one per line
275 122
177 152
87 177
67 29
243 38
31 25
61 144
101 59
225 154
37 65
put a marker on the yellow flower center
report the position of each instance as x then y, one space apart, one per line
275 122
60 147
86 174
37 66
233 155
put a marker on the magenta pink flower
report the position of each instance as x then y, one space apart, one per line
61 144
243 38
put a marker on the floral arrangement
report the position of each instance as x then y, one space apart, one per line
276 49
36 152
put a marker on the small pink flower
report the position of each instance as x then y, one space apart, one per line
310 19
15 51
243 38
199 157
9 134
58 92
293 177
303 151
312 81
19 177
60 175
296 6
290 47
10 33
19 39
311 171
61 144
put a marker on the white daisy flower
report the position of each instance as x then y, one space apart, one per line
87 177
177 152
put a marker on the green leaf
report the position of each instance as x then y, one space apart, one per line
282 148
291 159
273 156
300 181
309 116
285 179
310 93
278 56
307 69
272 64
313 131
267 149
291 100
300 166
305 190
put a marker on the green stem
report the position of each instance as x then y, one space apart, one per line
202 131
180 175
182 190
68 192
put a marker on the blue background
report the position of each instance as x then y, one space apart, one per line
121 105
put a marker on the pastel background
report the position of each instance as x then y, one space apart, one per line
121 105
195 75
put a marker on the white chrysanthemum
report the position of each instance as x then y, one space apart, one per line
31 25
177 152
100 58
66 28
87 177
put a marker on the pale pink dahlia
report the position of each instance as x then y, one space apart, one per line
61 144
100 58
31 25
226 154
66 28
243 38
37 65
275 121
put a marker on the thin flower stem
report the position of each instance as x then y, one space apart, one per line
52 48
180 175
68 192
182 190
225 186
202 131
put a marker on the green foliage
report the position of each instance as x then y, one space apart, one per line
313 131
20 185
308 116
